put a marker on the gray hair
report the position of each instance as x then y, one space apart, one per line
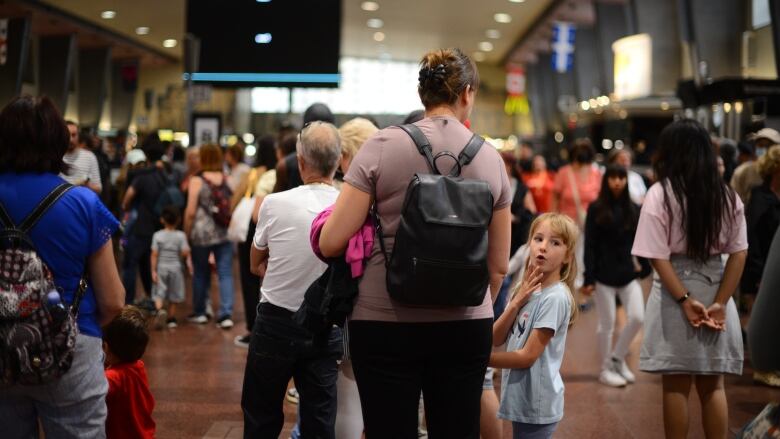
320 147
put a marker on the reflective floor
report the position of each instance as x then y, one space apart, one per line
196 373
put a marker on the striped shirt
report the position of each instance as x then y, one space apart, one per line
82 165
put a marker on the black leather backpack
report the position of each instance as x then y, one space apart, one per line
440 253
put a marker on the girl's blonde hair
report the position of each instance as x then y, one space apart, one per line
564 227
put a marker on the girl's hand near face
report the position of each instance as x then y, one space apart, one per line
531 282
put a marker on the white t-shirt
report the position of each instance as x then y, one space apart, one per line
283 228
82 165
636 187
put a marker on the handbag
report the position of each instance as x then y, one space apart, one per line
242 214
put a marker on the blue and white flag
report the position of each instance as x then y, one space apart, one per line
563 46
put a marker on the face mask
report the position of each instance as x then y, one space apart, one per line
760 151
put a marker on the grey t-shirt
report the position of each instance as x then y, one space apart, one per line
169 244
535 395
384 166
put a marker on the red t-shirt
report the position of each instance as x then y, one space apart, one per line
129 401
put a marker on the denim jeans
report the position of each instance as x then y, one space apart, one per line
74 406
280 350
201 279
137 258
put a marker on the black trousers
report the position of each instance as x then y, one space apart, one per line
394 362
250 283
280 350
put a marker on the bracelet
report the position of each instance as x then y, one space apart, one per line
684 297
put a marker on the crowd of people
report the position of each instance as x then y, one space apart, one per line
320 220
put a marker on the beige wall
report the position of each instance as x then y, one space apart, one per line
765 55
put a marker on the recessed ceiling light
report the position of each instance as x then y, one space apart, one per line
478 56
379 36
502 18
169 43
142 30
486 46
493 33
369 6
108 14
516 1
375 23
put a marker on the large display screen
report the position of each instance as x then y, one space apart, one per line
267 42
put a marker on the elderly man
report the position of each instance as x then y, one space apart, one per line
280 349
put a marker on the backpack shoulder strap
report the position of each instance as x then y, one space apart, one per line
32 219
5 219
470 150
422 143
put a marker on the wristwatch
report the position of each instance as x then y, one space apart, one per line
684 297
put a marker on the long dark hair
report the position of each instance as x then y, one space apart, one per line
603 211
685 163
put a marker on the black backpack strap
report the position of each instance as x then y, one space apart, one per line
32 219
470 150
422 143
5 219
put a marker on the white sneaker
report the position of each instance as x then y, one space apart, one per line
209 310
626 373
199 319
611 378
225 323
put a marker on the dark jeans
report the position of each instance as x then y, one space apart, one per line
393 362
137 257
250 283
280 350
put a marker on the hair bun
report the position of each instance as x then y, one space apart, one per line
436 74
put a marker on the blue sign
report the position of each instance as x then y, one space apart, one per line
563 47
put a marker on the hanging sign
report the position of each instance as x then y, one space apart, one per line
563 46
516 101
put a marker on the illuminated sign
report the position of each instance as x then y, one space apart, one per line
633 66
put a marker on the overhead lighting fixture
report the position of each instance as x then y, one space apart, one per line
478 56
379 36
493 33
486 46
108 14
264 38
502 18
369 6
169 43
664 105
142 30
516 1
375 23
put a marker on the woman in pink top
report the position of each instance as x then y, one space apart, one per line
577 185
692 331
398 350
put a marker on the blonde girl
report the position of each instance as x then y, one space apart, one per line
534 327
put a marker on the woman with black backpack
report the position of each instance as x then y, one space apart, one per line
399 348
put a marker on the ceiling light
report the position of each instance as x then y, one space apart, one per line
169 43
108 14
486 46
516 1
369 6
478 56
142 30
379 36
502 18
493 33
375 23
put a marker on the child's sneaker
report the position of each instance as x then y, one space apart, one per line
171 323
160 317
611 376
198 318
242 341
625 372
224 322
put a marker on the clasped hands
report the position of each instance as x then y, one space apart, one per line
712 317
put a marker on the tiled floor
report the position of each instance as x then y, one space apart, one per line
196 374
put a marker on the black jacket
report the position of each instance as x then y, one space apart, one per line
329 299
763 217
608 257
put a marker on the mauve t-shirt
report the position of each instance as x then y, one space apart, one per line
385 165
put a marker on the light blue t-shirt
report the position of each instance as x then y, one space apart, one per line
535 395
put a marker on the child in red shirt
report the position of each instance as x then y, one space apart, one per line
129 400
